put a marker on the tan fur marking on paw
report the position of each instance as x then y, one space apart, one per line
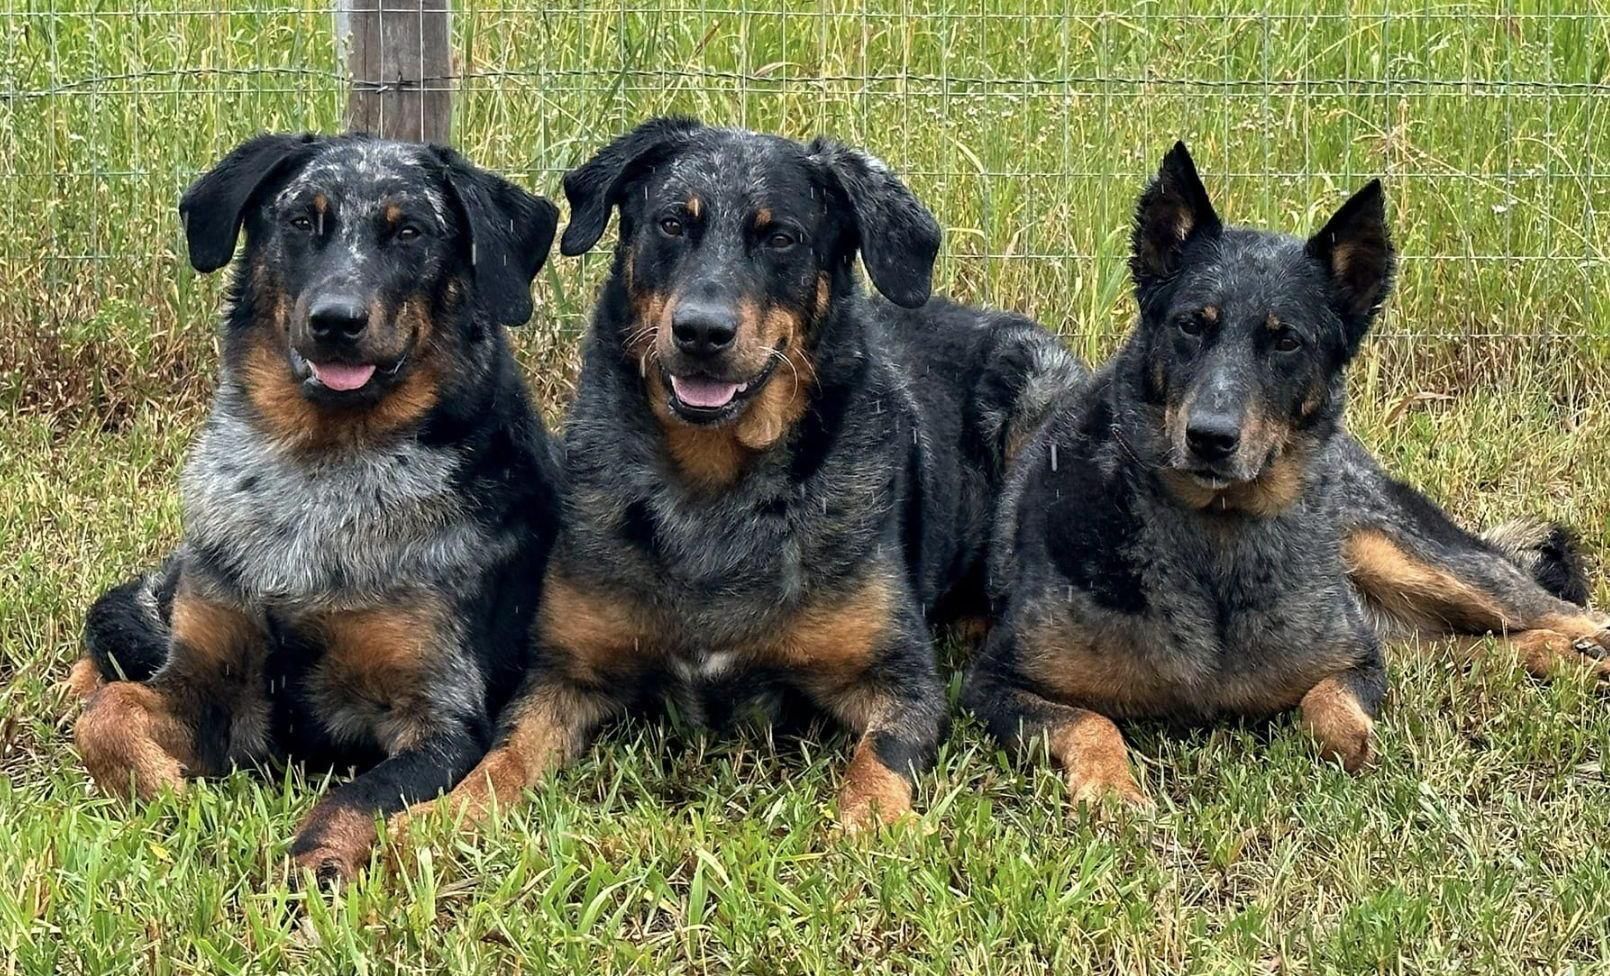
1333 716
1545 653
342 837
1095 760
84 679
872 793
129 738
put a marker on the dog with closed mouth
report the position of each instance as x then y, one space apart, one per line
368 508
1193 534
773 482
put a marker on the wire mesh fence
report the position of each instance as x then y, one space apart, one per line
1027 127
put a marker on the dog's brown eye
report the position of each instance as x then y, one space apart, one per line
408 233
780 240
302 223
671 226
1287 342
1191 325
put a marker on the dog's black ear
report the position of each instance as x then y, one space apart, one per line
510 233
595 187
1356 249
897 236
1173 209
214 206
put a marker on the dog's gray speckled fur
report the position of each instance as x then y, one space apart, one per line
1193 534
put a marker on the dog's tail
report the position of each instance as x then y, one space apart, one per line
1548 552
1028 372
126 631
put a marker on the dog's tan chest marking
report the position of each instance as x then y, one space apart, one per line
601 634
374 679
1129 674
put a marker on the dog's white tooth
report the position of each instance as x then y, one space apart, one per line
742 387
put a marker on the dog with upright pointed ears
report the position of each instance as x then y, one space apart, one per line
1193 534
369 506
774 482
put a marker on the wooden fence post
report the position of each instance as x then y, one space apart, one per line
400 67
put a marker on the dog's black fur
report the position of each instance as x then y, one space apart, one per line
1193 534
772 480
369 507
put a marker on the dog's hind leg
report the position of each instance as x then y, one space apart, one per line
1086 744
126 631
186 719
1421 573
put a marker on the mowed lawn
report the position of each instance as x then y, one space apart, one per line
1478 844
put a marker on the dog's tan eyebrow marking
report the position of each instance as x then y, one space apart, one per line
321 203
763 217
1210 313
393 213
694 205
1273 322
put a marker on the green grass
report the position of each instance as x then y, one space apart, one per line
1478 845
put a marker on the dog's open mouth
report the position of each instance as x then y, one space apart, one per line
340 381
705 400
341 376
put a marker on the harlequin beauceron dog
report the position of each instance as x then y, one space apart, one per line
1193 534
773 480
369 505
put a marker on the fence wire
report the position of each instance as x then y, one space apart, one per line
1028 128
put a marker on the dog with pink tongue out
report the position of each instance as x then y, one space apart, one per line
366 511
775 479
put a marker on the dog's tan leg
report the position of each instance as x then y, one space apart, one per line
544 729
1547 635
1094 759
144 735
84 679
1334 715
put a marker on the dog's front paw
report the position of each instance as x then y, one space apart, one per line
872 794
331 866
1332 714
1095 763
1096 780
334 842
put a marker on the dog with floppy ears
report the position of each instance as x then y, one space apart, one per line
773 482
1193 534
368 508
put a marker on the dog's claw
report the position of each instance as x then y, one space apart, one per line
1590 647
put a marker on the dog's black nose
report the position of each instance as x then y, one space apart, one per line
703 328
337 319
1214 436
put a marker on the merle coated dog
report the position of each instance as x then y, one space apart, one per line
369 506
1194 535
774 482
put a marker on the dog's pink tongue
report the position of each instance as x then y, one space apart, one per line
338 376
703 393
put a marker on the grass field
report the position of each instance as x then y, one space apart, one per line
1477 845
